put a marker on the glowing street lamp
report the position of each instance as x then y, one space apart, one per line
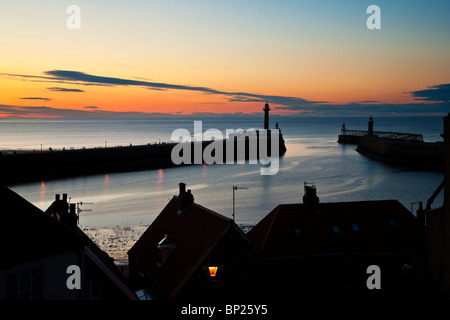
213 271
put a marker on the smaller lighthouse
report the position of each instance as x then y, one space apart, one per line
266 116
370 122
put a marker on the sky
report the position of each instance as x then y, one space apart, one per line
144 58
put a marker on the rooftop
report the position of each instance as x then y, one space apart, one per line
178 241
365 227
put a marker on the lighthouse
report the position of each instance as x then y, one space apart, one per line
370 129
266 116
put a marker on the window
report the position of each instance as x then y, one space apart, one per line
164 251
92 290
213 271
25 285
393 225
355 227
298 232
335 229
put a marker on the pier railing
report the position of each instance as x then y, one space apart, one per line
384 134
6 151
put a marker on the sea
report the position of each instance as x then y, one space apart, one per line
313 156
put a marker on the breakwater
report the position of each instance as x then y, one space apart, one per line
20 167
424 155
28 166
395 147
355 136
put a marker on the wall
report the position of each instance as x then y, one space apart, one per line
54 276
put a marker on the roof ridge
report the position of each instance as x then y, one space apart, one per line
219 215
275 214
341 202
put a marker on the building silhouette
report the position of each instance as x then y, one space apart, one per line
37 248
314 249
438 227
191 252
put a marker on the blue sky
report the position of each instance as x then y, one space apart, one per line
307 57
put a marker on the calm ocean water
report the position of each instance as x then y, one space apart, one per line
136 198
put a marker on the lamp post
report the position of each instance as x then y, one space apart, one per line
236 188
41 146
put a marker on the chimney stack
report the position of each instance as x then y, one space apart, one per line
63 212
182 188
72 208
186 198
310 199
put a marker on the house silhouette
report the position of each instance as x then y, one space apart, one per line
172 259
37 249
324 249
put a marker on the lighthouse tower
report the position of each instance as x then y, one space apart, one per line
266 116
370 122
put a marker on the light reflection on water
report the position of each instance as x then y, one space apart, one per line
339 172
136 198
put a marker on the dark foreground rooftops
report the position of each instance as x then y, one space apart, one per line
366 227
182 243
37 249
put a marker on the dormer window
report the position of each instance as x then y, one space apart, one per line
393 225
335 229
164 250
298 232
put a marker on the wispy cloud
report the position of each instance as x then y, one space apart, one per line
318 110
363 109
435 98
49 112
81 78
18 111
36 98
440 92
59 89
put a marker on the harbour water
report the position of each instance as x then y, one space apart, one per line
313 155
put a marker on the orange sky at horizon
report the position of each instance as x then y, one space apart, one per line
305 51
140 99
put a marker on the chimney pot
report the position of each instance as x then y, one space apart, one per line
182 188
186 198
65 197
57 197
72 208
310 199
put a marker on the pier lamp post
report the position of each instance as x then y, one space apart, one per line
106 145
41 146
236 188
159 139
